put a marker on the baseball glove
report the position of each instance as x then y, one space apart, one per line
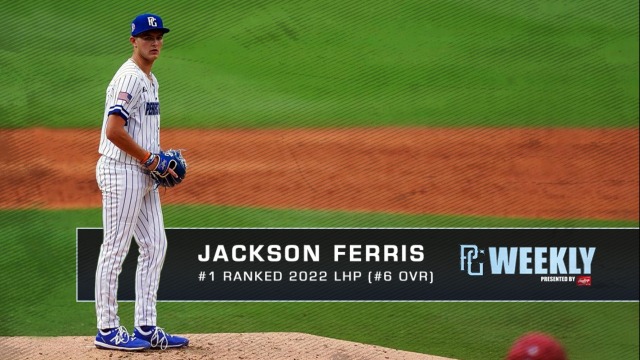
170 159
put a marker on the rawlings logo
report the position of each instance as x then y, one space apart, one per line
583 281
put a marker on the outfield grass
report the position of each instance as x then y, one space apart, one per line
38 292
318 64
332 62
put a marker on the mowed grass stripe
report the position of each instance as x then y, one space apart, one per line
333 63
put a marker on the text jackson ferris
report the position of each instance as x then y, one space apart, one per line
311 253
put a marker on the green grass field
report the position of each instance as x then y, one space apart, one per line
332 62
324 63
39 292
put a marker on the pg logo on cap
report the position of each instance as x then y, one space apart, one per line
146 22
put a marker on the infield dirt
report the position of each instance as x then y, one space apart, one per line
533 173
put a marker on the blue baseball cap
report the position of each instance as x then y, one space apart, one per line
146 22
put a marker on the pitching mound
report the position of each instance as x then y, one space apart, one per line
209 346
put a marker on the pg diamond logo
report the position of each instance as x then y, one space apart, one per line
469 255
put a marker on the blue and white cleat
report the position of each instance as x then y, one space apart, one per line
119 339
159 339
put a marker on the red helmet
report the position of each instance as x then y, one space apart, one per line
536 346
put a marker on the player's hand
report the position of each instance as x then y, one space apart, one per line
169 169
162 165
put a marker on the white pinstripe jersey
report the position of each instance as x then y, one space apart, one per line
133 96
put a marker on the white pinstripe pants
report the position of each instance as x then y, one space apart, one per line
130 207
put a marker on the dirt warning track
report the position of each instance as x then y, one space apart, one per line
535 173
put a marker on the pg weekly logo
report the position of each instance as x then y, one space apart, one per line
523 260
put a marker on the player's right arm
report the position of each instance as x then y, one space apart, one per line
118 135
122 98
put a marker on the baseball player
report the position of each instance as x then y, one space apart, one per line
130 149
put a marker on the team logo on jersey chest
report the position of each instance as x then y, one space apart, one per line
153 108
